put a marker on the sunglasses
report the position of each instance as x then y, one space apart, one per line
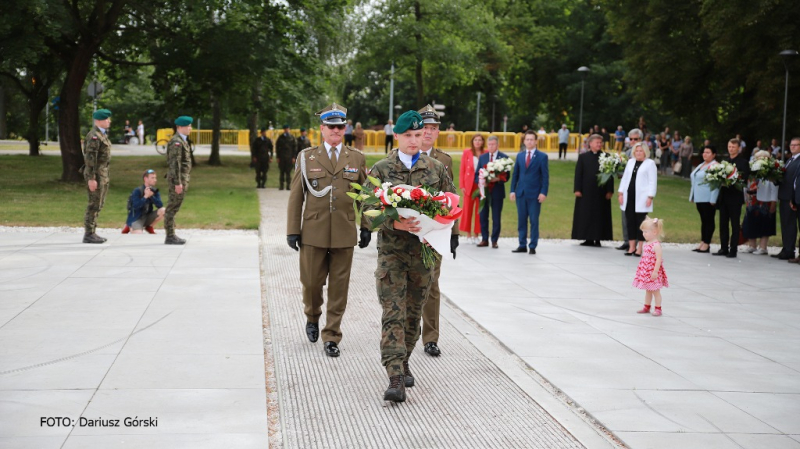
335 126
150 171
635 138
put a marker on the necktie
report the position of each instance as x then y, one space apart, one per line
491 157
528 160
333 157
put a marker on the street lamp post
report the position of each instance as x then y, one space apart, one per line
583 70
787 55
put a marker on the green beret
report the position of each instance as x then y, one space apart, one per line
302 129
183 120
101 114
286 126
409 120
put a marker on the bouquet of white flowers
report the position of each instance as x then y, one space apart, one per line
495 171
611 164
723 174
768 169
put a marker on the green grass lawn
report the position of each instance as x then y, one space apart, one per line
225 197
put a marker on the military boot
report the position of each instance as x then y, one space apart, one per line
174 240
101 238
92 238
396 391
409 378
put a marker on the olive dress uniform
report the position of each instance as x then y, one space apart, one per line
327 229
96 159
430 312
180 166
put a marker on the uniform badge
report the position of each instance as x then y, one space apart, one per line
314 169
94 137
311 158
314 184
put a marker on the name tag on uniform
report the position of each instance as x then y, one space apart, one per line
314 169
350 170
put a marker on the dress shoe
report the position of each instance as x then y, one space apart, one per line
396 391
722 252
532 251
588 243
494 245
150 230
628 254
174 240
331 349
483 243
784 256
596 243
126 229
312 332
521 249
637 255
731 255
409 378
624 246
92 238
707 250
432 349
795 260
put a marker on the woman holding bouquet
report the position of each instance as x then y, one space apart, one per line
470 220
704 198
759 218
636 192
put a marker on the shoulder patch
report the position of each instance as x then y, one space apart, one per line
94 137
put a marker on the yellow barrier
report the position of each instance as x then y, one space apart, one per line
374 141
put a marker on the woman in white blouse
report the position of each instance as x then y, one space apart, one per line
636 192
704 198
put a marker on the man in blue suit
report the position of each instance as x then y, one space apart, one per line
529 183
496 194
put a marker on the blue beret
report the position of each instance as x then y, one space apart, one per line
184 120
101 114
409 120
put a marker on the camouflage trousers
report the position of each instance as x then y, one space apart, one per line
430 312
174 205
96 201
403 285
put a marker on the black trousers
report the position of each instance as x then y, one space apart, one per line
729 213
285 173
562 147
261 173
790 222
389 144
348 140
707 225
634 221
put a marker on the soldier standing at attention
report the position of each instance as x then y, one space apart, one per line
303 142
96 157
402 280
326 234
179 159
261 152
430 312
286 150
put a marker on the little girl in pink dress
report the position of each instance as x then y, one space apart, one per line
650 275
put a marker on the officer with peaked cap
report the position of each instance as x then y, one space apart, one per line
430 312
179 158
96 159
324 231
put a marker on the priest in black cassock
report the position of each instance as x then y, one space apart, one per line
591 220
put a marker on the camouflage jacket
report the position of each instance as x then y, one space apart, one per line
427 171
96 155
286 148
179 159
261 149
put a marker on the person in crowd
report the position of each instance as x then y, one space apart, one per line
495 192
96 160
303 141
619 139
730 204
742 144
591 219
704 198
606 136
686 150
790 219
756 149
348 133
451 135
261 155
127 131
650 274
359 136
530 182
636 193
145 207
759 216
664 147
522 137
286 153
634 136
470 220
775 149
563 140
140 132
389 142
643 125
675 153
179 159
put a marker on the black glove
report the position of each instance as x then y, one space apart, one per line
366 236
453 244
294 241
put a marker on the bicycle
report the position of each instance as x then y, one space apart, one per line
161 146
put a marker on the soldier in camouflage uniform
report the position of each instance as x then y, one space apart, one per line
303 141
286 151
430 313
96 157
403 282
179 159
261 152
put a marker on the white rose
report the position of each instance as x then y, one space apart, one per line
406 195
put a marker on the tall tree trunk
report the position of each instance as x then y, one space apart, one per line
3 123
216 124
418 65
68 119
252 120
36 103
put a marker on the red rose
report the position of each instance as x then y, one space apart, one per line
416 194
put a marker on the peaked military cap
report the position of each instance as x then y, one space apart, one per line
101 114
429 115
183 120
409 120
333 115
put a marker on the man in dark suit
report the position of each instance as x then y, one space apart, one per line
529 183
494 197
787 194
730 202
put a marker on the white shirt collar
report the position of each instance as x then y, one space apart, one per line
328 147
531 150
182 137
405 159
429 151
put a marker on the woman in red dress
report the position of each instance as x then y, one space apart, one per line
470 220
